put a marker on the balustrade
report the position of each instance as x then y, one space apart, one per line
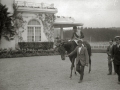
34 5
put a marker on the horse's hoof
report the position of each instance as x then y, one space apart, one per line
70 77
75 73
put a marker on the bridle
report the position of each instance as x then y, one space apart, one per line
61 48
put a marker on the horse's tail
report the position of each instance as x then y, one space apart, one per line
88 46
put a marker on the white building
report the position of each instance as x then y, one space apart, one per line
35 21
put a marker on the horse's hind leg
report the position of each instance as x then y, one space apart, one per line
89 65
75 70
71 71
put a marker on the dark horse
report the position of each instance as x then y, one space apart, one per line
69 46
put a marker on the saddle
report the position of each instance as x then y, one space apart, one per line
76 42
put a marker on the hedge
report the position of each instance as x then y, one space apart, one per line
36 45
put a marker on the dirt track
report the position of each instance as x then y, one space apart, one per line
51 73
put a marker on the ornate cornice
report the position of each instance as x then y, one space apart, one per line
38 10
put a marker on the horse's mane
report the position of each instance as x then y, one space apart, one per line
69 46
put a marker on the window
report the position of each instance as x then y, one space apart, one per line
34 31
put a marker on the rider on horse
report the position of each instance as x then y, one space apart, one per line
77 34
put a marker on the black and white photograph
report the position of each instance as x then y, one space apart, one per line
59 45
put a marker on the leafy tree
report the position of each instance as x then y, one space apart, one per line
6 27
18 22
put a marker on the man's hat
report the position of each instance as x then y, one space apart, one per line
117 37
111 40
74 27
80 40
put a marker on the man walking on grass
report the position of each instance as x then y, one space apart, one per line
109 52
81 60
116 57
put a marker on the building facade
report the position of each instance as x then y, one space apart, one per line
33 22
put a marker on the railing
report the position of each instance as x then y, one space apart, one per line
34 5
99 46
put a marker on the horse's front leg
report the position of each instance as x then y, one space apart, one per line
72 66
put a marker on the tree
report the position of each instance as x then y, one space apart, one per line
6 27
18 21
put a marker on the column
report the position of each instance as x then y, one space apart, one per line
61 32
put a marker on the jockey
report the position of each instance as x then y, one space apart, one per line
77 34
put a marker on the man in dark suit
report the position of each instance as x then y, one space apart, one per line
109 51
81 60
116 57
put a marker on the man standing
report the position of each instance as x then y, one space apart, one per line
116 57
81 60
109 51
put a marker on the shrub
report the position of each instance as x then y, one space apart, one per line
36 45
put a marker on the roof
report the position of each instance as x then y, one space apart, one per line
66 22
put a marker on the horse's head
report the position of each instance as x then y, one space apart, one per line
60 48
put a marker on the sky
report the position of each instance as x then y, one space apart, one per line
92 13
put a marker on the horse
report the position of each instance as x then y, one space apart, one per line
69 46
